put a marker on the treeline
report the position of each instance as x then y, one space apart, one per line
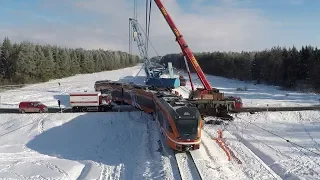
286 67
26 62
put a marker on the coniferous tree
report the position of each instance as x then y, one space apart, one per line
28 63
287 67
5 63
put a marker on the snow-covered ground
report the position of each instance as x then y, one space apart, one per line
266 135
125 145
81 146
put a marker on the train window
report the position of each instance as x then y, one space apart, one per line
169 128
160 118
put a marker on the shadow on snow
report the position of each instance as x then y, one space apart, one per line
111 139
64 99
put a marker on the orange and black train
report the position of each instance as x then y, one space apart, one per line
179 122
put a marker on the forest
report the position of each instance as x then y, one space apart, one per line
25 62
289 68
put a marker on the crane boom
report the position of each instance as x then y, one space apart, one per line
184 47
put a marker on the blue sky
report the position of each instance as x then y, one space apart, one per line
208 25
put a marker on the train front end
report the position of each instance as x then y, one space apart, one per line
188 125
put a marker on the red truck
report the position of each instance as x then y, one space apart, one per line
90 101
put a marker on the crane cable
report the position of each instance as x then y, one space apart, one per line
148 19
135 9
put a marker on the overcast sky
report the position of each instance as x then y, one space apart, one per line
207 25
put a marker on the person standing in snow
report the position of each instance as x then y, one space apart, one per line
59 103
59 83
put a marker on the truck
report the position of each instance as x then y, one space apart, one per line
90 101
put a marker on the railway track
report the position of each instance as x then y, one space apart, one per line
120 108
266 109
130 108
187 167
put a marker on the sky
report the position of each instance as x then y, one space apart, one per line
207 25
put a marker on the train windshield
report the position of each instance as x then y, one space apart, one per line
188 127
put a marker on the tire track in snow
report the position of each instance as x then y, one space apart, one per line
53 167
111 172
213 163
249 158
253 159
316 144
274 167
41 123
34 119
154 149
170 161
104 172
7 122
209 166
8 167
26 156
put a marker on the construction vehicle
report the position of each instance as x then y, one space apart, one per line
90 101
208 100
153 70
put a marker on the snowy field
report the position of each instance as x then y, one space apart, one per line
80 146
266 135
125 145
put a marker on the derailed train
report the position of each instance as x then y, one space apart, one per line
179 122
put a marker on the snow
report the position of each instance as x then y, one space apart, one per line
187 168
266 153
89 146
128 145
213 162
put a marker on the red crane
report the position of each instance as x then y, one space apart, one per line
185 49
217 99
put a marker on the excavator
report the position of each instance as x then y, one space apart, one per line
208 100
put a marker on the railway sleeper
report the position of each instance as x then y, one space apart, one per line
91 109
